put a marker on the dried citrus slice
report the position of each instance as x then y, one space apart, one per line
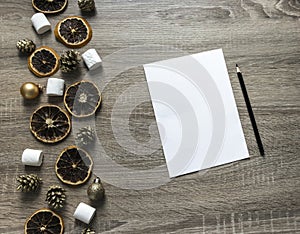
82 99
44 221
44 61
73 31
50 124
73 166
49 6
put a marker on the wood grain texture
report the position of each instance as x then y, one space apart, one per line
260 195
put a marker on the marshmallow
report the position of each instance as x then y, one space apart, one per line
92 59
32 157
55 87
84 213
40 23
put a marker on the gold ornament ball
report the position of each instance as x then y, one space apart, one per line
30 90
95 190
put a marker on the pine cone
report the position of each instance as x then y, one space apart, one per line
88 231
26 46
56 196
28 183
85 136
69 60
86 5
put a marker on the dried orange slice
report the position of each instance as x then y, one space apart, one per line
44 221
73 31
73 166
43 62
82 99
49 6
50 124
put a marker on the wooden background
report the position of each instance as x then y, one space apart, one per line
260 195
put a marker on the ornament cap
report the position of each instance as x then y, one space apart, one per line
97 180
41 87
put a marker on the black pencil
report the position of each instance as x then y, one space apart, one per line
250 111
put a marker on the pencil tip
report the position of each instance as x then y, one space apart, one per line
238 69
236 65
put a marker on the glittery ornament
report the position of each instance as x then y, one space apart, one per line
95 190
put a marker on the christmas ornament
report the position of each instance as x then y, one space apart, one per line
28 183
69 60
86 136
88 231
56 196
30 90
26 46
95 190
86 5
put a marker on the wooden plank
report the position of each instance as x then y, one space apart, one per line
260 195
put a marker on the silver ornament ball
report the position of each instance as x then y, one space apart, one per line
95 190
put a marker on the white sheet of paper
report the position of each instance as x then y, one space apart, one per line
196 113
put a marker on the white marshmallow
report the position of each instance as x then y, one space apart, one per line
92 59
40 23
55 87
84 213
32 157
